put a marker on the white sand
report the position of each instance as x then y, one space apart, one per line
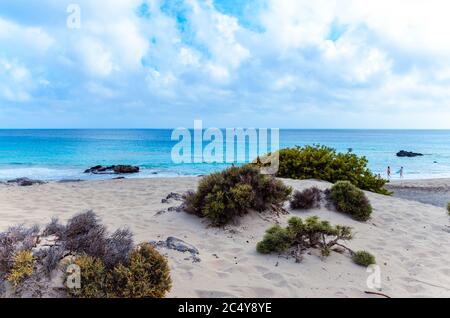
410 240
431 191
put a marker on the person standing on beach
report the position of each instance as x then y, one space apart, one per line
389 172
401 173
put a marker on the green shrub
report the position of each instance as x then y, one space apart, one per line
22 267
448 208
14 239
222 196
302 235
350 200
363 258
276 239
146 275
93 278
324 163
306 199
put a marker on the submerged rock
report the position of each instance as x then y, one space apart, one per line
116 169
404 153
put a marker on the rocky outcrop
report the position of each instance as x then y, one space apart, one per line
176 244
410 154
24 182
116 169
172 196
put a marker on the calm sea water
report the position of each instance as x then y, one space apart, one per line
64 154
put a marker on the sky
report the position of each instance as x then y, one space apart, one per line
231 63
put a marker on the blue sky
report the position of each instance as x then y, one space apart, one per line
255 63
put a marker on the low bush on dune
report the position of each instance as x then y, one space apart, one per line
111 265
145 275
93 278
14 240
222 196
306 199
350 200
299 236
363 258
277 239
84 234
324 163
313 233
22 267
448 208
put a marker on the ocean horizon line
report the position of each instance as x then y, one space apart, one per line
223 128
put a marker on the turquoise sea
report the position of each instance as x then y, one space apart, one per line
65 154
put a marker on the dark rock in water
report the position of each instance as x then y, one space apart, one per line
99 170
95 169
25 182
116 169
404 153
124 169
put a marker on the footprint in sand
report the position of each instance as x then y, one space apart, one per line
414 289
276 279
256 292
223 274
214 294
261 269
445 271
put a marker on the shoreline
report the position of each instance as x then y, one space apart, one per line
157 175
105 177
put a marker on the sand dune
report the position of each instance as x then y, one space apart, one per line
410 240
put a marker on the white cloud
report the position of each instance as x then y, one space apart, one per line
161 84
16 37
292 24
379 56
100 90
15 81
96 57
218 72
188 57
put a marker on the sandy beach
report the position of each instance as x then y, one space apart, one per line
410 239
430 191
